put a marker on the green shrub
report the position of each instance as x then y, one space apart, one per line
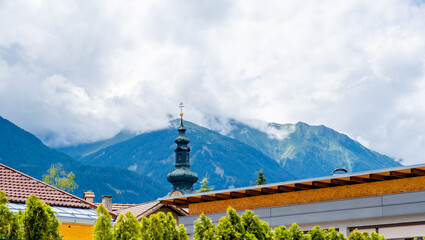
102 225
40 221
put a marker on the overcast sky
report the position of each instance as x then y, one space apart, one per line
78 71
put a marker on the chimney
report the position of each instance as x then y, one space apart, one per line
89 196
107 202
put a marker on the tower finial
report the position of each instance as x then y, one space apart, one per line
181 106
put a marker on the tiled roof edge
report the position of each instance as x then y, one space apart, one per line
60 190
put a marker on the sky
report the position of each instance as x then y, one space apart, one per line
79 71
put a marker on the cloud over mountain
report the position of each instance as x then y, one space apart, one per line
80 71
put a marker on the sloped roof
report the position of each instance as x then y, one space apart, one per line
19 186
118 206
145 209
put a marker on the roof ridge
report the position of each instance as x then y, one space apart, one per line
48 185
137 205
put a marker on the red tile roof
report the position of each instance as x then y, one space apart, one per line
19 186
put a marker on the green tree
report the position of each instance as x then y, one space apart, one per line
6 217
204 228
295 233
204 187
60 179
162 226
318 234
182 235
261 180
40 221
281 233
253 225
376 236
230 226
53 224
144 228
16 226
102 225
356 235
127 228
334 235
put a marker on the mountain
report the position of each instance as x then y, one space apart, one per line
26 153
284 151
225 161
82 150
309 151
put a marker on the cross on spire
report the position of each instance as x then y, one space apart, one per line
181 106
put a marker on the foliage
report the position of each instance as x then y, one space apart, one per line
281 233
6 217
356 235
230 226
60 179
204 187
250 227
261 180
253 225
204 228
182 235
160 227
16 226
334 235
127 228
318 234
102 225
40 221
295 233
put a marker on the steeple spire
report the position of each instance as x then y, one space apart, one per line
182 177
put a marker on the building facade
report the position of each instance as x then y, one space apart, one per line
389 201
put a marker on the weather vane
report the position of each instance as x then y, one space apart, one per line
181 106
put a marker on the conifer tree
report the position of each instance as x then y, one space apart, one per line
318 234
230 227
40 221
156 229
261 180
161 226
144 228
16 226
182 235
295 233
53 224
102 225
356 235
169 225
281 233
334 235
253 225
225 230
204 228
204 186
6 217
376 236
127 228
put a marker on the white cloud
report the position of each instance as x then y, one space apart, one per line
82 70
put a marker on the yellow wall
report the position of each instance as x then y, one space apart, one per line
72 231
313 195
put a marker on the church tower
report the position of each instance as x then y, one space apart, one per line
182 177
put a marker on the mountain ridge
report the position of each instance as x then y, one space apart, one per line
301 150
26 153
